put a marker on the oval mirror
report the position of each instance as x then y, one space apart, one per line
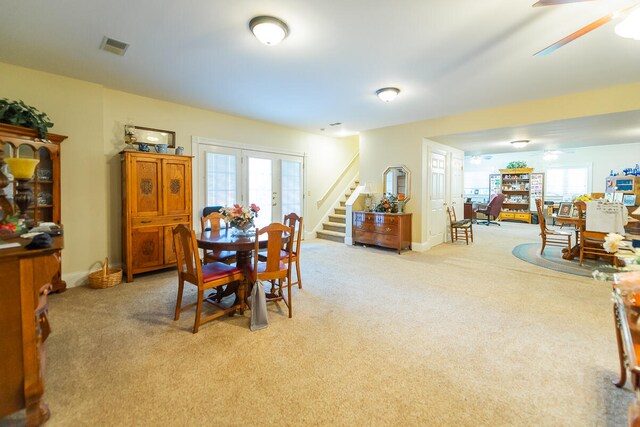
397 180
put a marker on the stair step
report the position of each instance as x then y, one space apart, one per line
343 203
330 235
341 210
334 226
338 218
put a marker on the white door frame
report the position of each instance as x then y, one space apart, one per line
198 172
427 147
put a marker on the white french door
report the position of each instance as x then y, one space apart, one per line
273 181
437 196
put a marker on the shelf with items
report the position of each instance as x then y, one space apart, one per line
515 184
16 141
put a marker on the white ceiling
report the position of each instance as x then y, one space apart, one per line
446 56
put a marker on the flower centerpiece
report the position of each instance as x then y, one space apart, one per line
240 217
388 203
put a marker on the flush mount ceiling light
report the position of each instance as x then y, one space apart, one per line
387 94
268 30
630 27
520 143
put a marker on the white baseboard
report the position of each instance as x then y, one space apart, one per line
420 247
348 240
75 279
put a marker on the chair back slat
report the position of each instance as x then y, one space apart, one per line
187 256
295 222
541 221
213 219
452 214
274 245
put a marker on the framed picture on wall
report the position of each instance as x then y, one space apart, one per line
565 209
629 199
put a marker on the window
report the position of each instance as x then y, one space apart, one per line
220 179
565 183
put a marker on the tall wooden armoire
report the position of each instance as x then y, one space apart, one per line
156 196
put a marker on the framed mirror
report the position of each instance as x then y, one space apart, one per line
397 180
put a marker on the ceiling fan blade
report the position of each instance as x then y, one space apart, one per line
584 30
555 2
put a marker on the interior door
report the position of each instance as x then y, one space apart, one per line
437 196
457 185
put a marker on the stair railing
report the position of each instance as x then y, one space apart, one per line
337 180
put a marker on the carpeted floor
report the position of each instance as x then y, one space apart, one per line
552 259
459 335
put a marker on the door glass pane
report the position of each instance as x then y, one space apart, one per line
221 179
291 187
260 188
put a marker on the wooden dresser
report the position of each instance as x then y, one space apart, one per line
390 230
156 196
27 277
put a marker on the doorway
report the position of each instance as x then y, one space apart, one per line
228 175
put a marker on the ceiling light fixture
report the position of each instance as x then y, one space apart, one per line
520 143
268 30
630 27
388 93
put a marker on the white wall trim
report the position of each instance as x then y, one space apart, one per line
75 278
242 146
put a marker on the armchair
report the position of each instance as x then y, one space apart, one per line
492 209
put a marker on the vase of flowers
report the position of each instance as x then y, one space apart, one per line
388 203
240 218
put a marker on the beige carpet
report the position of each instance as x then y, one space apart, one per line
459 335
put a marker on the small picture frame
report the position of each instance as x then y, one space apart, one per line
629 199
617 197
565 209
151 136
574 211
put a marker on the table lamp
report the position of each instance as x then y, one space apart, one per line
22 171
368 200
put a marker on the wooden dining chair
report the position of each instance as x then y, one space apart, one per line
274 269
213 275
295 222
212 222
456 227
592 242
551 237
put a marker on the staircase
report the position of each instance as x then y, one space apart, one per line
334 229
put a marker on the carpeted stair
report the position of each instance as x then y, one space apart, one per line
334 229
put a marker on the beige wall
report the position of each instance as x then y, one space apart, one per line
93 117
402 144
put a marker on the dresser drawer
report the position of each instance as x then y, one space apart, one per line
159 220
507 215
523 216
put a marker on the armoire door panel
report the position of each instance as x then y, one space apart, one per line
147 247
176 198
147 200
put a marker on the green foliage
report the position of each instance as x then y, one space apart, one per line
389 203
516 165
18 113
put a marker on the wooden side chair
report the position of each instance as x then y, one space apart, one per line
212 222
592 242
551 237
274 269
458 227
295 222
204 277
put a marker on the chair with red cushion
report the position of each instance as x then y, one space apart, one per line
213 221
493 209
274 269
204 277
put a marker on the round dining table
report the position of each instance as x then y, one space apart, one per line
226 239
577 223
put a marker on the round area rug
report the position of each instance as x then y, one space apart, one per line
552 259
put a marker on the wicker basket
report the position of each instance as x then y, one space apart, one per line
105 278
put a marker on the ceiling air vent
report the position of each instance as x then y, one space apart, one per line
114 46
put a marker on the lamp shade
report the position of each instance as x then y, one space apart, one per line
22 168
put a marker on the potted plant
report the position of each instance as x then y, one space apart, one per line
18 113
